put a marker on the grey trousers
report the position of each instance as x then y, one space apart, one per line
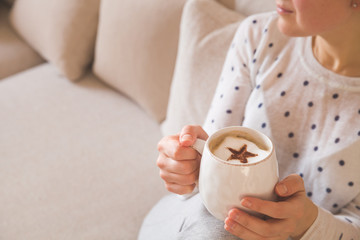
178 219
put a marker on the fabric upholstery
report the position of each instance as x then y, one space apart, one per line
63 32
207 29
77 160
249 7
15 54
136 49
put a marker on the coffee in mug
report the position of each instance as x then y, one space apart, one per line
238 149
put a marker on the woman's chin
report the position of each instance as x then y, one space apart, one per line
289 28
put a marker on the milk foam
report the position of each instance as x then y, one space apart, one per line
222 151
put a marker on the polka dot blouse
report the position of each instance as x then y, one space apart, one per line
274 84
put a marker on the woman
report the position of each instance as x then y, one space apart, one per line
295 76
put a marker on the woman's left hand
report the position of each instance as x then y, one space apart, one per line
291 216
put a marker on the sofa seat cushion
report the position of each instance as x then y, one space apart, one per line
16 55
77 159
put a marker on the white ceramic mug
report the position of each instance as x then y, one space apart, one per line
223 184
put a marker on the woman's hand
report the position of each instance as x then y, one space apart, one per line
179 163
290 217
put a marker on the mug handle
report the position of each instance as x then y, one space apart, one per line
199 146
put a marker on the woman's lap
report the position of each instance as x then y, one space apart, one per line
175 218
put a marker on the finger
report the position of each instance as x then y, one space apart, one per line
179 189
170 146
278 210
179 179
190 133
180 167
240 231
270 228
290 185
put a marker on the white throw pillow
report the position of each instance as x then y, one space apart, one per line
136 49
249 7
63 32
207 29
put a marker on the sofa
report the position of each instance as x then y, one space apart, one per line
87 89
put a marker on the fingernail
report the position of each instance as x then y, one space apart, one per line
246 203
282 189
229 223
236 217
186 137
233 214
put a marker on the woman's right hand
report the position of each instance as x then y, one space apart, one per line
179 163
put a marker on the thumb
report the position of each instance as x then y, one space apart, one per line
190 133
291 185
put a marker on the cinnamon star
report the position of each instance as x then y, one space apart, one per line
242 154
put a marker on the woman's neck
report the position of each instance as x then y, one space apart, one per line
339 51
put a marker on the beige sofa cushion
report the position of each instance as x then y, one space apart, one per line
15 54
77 159
136 49
249 7
63 32
207 29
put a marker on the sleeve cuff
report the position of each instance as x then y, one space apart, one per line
317 227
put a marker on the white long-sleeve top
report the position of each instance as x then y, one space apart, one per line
273 83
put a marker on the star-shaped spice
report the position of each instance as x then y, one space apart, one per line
242 155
